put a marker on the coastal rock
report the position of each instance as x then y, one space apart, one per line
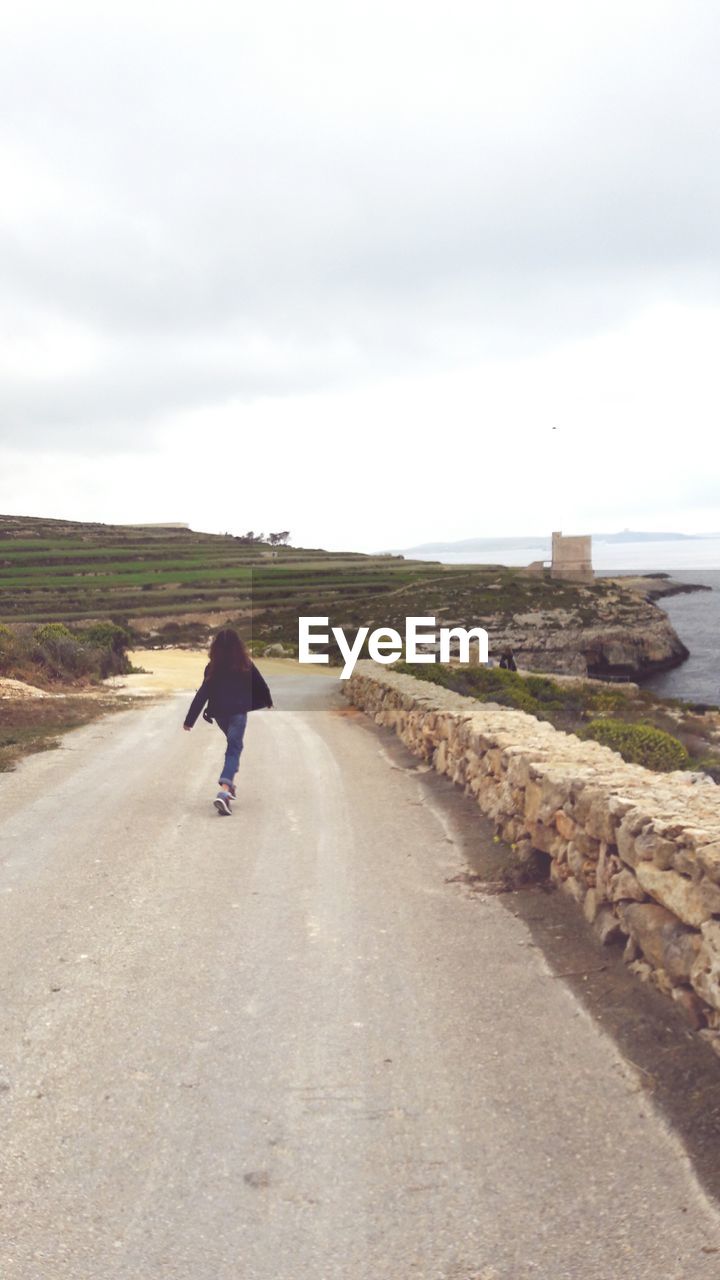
637 639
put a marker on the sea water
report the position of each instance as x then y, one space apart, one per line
696 618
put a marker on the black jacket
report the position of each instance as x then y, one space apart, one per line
227 694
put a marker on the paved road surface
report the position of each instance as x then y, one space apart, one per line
279 1046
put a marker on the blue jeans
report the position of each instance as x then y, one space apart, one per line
235 732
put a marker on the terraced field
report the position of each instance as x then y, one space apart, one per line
169 579
64 571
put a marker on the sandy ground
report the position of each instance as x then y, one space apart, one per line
181 671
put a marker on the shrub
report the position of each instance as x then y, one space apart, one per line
106 635
97 651
640 744
108 643
51 634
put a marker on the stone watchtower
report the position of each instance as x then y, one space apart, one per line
572 558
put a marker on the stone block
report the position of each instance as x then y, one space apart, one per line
693 903
533 799
686 862
630 827
665 942
705 973
589 847
651 846
543 838
599 823
708 858
565 825
554 793
626 845
625 886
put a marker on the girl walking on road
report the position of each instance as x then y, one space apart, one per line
232 686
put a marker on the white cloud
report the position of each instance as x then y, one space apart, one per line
376 251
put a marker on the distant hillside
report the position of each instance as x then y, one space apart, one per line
543 541
65 570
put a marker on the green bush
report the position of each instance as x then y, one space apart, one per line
51 634
97 651
106 635
640 744
58 652
108 643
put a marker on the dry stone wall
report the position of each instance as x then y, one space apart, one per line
638 851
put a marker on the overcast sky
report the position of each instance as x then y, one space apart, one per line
341 267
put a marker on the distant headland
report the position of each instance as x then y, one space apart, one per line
542 541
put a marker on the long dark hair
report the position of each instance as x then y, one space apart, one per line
228 653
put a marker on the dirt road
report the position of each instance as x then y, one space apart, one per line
281 1046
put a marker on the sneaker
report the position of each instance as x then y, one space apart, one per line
222 802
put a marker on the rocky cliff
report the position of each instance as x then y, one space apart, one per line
604 630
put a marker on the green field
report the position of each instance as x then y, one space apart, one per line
66 571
